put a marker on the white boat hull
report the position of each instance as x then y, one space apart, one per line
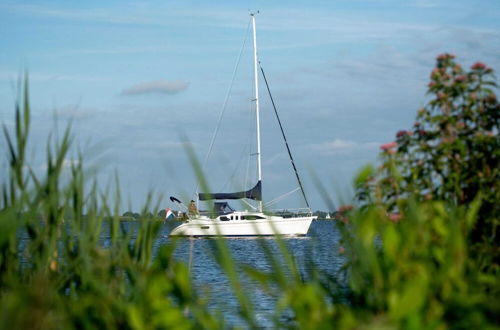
270 226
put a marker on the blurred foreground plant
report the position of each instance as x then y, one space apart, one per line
415 271
452 154
433 206
421 251
407 250
54 272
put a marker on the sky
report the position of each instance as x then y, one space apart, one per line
143 81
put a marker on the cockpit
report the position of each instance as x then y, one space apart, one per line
223 208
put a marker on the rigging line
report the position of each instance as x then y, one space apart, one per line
284 137
224 106
246 202
277 199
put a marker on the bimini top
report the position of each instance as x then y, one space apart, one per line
255 193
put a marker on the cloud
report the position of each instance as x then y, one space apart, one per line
40 167
10 75
102 15
340 24
156 87
131 14
340 146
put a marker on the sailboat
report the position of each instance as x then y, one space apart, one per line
225 221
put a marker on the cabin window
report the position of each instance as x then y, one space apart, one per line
224 218
252 217
232 218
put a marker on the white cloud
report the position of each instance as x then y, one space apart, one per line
162 146
40 76
340 146
71 112
41 166
130 14
94 14
156 87
68 163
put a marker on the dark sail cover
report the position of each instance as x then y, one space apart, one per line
255 193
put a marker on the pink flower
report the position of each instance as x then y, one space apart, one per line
441 95
445 56
435 72
344 208
388 146
461 78
395 217
478 66
403 133
421 132
341 250
431 84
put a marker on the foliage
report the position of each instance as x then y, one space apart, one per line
452 153
408 257
415 271
54 273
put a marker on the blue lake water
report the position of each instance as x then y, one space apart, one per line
320 246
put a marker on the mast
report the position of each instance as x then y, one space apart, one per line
257 117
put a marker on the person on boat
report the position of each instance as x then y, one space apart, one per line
192 208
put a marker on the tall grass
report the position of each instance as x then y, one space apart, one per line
54 273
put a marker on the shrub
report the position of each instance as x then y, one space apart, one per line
419 253
415 271
452 153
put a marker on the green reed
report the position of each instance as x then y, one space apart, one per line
412 273
53 271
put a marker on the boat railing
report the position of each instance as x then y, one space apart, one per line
285 213
292 213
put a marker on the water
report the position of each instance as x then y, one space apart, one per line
321 246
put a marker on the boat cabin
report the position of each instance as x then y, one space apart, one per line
240 215
222 208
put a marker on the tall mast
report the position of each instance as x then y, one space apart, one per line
256 78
